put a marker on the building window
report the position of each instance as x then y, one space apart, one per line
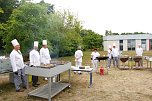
121 45
131 44
150 42
143 44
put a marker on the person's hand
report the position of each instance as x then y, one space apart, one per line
16 72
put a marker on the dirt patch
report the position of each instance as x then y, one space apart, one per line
4 78
118 85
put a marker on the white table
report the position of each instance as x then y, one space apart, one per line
89 70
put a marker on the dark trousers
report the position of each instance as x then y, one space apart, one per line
20 78
115 61
34 79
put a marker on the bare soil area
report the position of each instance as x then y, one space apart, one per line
118 85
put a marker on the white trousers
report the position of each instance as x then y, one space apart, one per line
95 65
77 65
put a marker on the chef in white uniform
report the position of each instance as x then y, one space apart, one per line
45 54
139 52
109 56
18 67
34 61
115 55
95 61
78 58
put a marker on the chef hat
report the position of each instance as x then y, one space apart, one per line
44 42
14 42
36 43
114 44
109 46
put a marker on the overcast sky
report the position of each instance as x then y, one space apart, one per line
115 15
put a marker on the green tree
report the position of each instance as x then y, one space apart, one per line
31 22
71 38
132 33
91 39
1 10
115 33
108 32
139 33
27 23
7 6
2 29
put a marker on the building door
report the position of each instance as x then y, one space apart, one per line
121 45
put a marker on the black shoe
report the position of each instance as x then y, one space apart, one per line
79 73
34 85
20 90
37 84
24 87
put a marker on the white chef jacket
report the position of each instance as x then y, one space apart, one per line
109 53
45 56
95 55
34 58
139 51
78 55
16 59
115 52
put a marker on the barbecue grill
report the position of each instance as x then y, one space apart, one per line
124 59
137 59
102 58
